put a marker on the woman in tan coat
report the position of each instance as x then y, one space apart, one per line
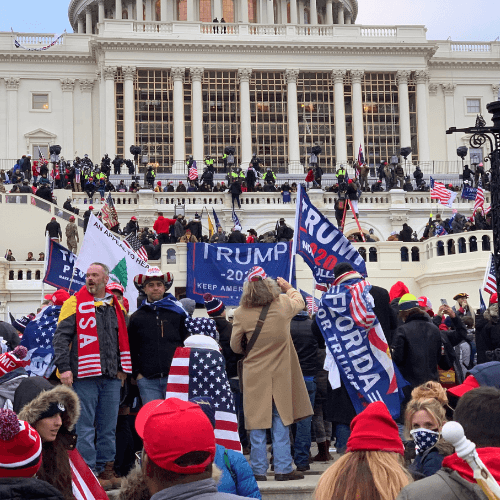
274 392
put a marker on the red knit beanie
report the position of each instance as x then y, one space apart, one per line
20 447
375 430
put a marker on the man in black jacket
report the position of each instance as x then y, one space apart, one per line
155 331
236 236
54 230
235 190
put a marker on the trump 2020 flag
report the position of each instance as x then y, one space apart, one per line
102 245
202 372
357 344
320 243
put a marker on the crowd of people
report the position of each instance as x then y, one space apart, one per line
134 388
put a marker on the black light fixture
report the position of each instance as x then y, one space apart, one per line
462 152
405 152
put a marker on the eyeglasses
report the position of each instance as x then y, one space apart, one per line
138 457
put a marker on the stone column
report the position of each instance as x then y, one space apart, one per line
190 11
149 10
340 15
357 112
118 9
163 11
80 28
139 11
197 114
294 166
100 11
348 18
424 154
245 117
243 11
301 19
449 92
110 107
88 21
130 10
339 124
128 110
83 120
329 12
68 143
12 86
179 136
313 12
293 12
404 109
270 11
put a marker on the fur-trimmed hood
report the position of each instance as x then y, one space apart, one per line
34 396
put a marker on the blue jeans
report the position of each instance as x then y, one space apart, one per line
281 448
234 383
342 433
96 427
152 388
303 432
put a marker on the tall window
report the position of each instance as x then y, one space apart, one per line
206 11
412 97
221 112
348 118
181 10
228 11
120 149
380 116
252 11
268 108
316 116
154 115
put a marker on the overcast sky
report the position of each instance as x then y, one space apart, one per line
476 20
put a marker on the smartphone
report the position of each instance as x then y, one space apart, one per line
444 302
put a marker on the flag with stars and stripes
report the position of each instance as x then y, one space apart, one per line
108 212
479 202
236 221
439 191
202 372
193 172
37 339
134 244
490 279
312 303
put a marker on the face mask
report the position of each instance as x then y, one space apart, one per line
424 439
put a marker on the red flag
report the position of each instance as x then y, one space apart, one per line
85 484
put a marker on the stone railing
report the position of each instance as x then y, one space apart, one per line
470 47
22 275
378 32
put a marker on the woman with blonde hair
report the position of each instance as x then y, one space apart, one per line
274 392
372 468
424 420
431 389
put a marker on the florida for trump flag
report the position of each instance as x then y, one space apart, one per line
202 372
358 348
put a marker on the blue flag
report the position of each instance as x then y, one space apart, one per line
221 269
320 243
481 301
37 339
356 341
60 264
469 193
236 221
216 219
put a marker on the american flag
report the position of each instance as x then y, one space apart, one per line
108 212
479 203
439 191
360 311
201 372
84 484
312 303
134 244
193 172
490 280
361 158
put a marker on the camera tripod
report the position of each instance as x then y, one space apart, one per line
347 204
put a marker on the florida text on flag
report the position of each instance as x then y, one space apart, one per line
320 243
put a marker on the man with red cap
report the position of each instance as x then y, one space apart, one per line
20 459
179 450
162 228
132 226
86 217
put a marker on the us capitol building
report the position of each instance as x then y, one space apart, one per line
275 78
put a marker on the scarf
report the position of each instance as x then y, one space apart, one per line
489 456
89 355
425 439
169 302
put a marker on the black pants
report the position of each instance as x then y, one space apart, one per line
163 238
237 198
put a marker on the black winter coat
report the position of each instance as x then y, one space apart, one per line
10 335
235 188
488 335
385 313
352 193
305 344
416 350
24 488
225 329
154 335
236 237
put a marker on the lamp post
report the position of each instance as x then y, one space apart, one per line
480 135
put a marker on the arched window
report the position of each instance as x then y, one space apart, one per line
462 247
486 244
37 275
171 256
362 252
404 254
415 254
372 257
19 275
440 248
451 247
124 14
472 244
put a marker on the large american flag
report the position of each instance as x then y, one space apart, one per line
361 158
439 191
479 203
490 280
134 244
193 172
201 372
108 212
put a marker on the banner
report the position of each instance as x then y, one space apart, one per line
60 266
320 243
357 344
102 245
221 269
469 193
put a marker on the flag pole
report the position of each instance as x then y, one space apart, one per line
295 232
45 261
